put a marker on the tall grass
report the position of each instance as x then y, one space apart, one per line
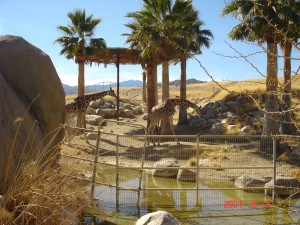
35 189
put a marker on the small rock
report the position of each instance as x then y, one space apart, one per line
247 182
186 175
158 218
145 116
166 172
231 127
246 130
217 128
100 112
128 113
90 111
93 119
91 136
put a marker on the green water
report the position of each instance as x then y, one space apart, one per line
250 208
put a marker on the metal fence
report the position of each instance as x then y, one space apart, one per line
177 171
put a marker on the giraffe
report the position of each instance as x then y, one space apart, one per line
166 110
79 105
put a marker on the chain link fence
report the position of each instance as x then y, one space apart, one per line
133 173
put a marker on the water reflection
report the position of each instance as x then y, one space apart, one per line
184 205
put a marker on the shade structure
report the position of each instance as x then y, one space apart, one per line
116 56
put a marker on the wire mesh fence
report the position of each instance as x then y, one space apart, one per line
134 174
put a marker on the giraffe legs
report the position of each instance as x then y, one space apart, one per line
172 128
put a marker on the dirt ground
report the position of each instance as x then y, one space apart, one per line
220 156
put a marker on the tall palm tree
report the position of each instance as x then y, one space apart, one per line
255 25
286 43
77 43
150 33
189 40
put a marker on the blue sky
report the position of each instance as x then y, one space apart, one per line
37 21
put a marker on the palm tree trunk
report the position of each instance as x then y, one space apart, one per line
150 86
286 120
155 83
165 123
271 118
80 115
144 86
182 110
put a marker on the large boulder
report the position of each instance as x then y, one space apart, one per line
158 218
248 182
167 170
31 95
284 187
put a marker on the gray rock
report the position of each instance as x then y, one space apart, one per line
138 111
127 106
145 116
110 113
166 172
28 78
230 114
227 120
90 111
91 135
197 122
158 218
247 182
217 128
108 105
101 112
128 113
210 114
93 119
284 186
231 127
186 175
223 108
246 130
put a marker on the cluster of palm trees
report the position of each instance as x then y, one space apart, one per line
166 31
274 22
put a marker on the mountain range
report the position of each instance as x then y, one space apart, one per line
129 83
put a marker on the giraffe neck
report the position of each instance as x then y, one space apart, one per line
183 102
96 96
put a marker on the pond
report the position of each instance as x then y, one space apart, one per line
213 206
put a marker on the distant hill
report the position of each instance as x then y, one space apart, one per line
69 90
100 87
188 81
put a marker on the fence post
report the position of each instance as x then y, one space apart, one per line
197 171
117 172
142 166
274 168
95 168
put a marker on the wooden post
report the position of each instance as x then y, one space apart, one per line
142 167
118 86
95 167
197 171
117 173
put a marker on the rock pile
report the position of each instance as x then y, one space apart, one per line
107 109
234 114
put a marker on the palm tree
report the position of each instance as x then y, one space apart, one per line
150 33
286 43
189 40
255 17
77 43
